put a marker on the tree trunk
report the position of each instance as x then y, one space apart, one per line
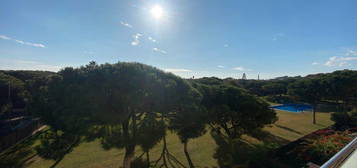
187 155
148 158
130 147
314 114
345 105
164 152
129 155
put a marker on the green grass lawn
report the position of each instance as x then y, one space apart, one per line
292 126
289 127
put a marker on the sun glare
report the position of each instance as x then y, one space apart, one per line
157 12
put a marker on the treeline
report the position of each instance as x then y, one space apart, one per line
131 105
338 88
18 87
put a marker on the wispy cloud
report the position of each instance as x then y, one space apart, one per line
22 42
240 68
220 66
126 24
226 45
278 36
152 39
9 64
339 61
159 50
333 61
350 55
4 37
315 63
177 70
136 39
349 58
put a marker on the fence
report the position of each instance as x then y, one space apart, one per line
19 133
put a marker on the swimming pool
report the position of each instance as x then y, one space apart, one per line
293 107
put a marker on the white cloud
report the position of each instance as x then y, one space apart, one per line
344 63
350 55
349 58
19 41
225 45
240 68
22 42
152 39
177 70
134 43
220 66
339 61
278 36
159 50
136 40
332 61
5 37
7 64
315 63
126 24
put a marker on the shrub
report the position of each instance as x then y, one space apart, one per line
344 120
323 148
262 156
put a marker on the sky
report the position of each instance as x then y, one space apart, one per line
222 38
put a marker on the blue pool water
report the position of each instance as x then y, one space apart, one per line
293 107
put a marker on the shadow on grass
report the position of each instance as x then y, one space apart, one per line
20 154
237 153
288 129
49 147
267 137
55 145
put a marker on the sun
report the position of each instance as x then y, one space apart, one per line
157 12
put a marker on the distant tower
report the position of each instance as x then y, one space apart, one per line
244 76
258 76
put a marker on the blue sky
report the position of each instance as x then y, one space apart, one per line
222 38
